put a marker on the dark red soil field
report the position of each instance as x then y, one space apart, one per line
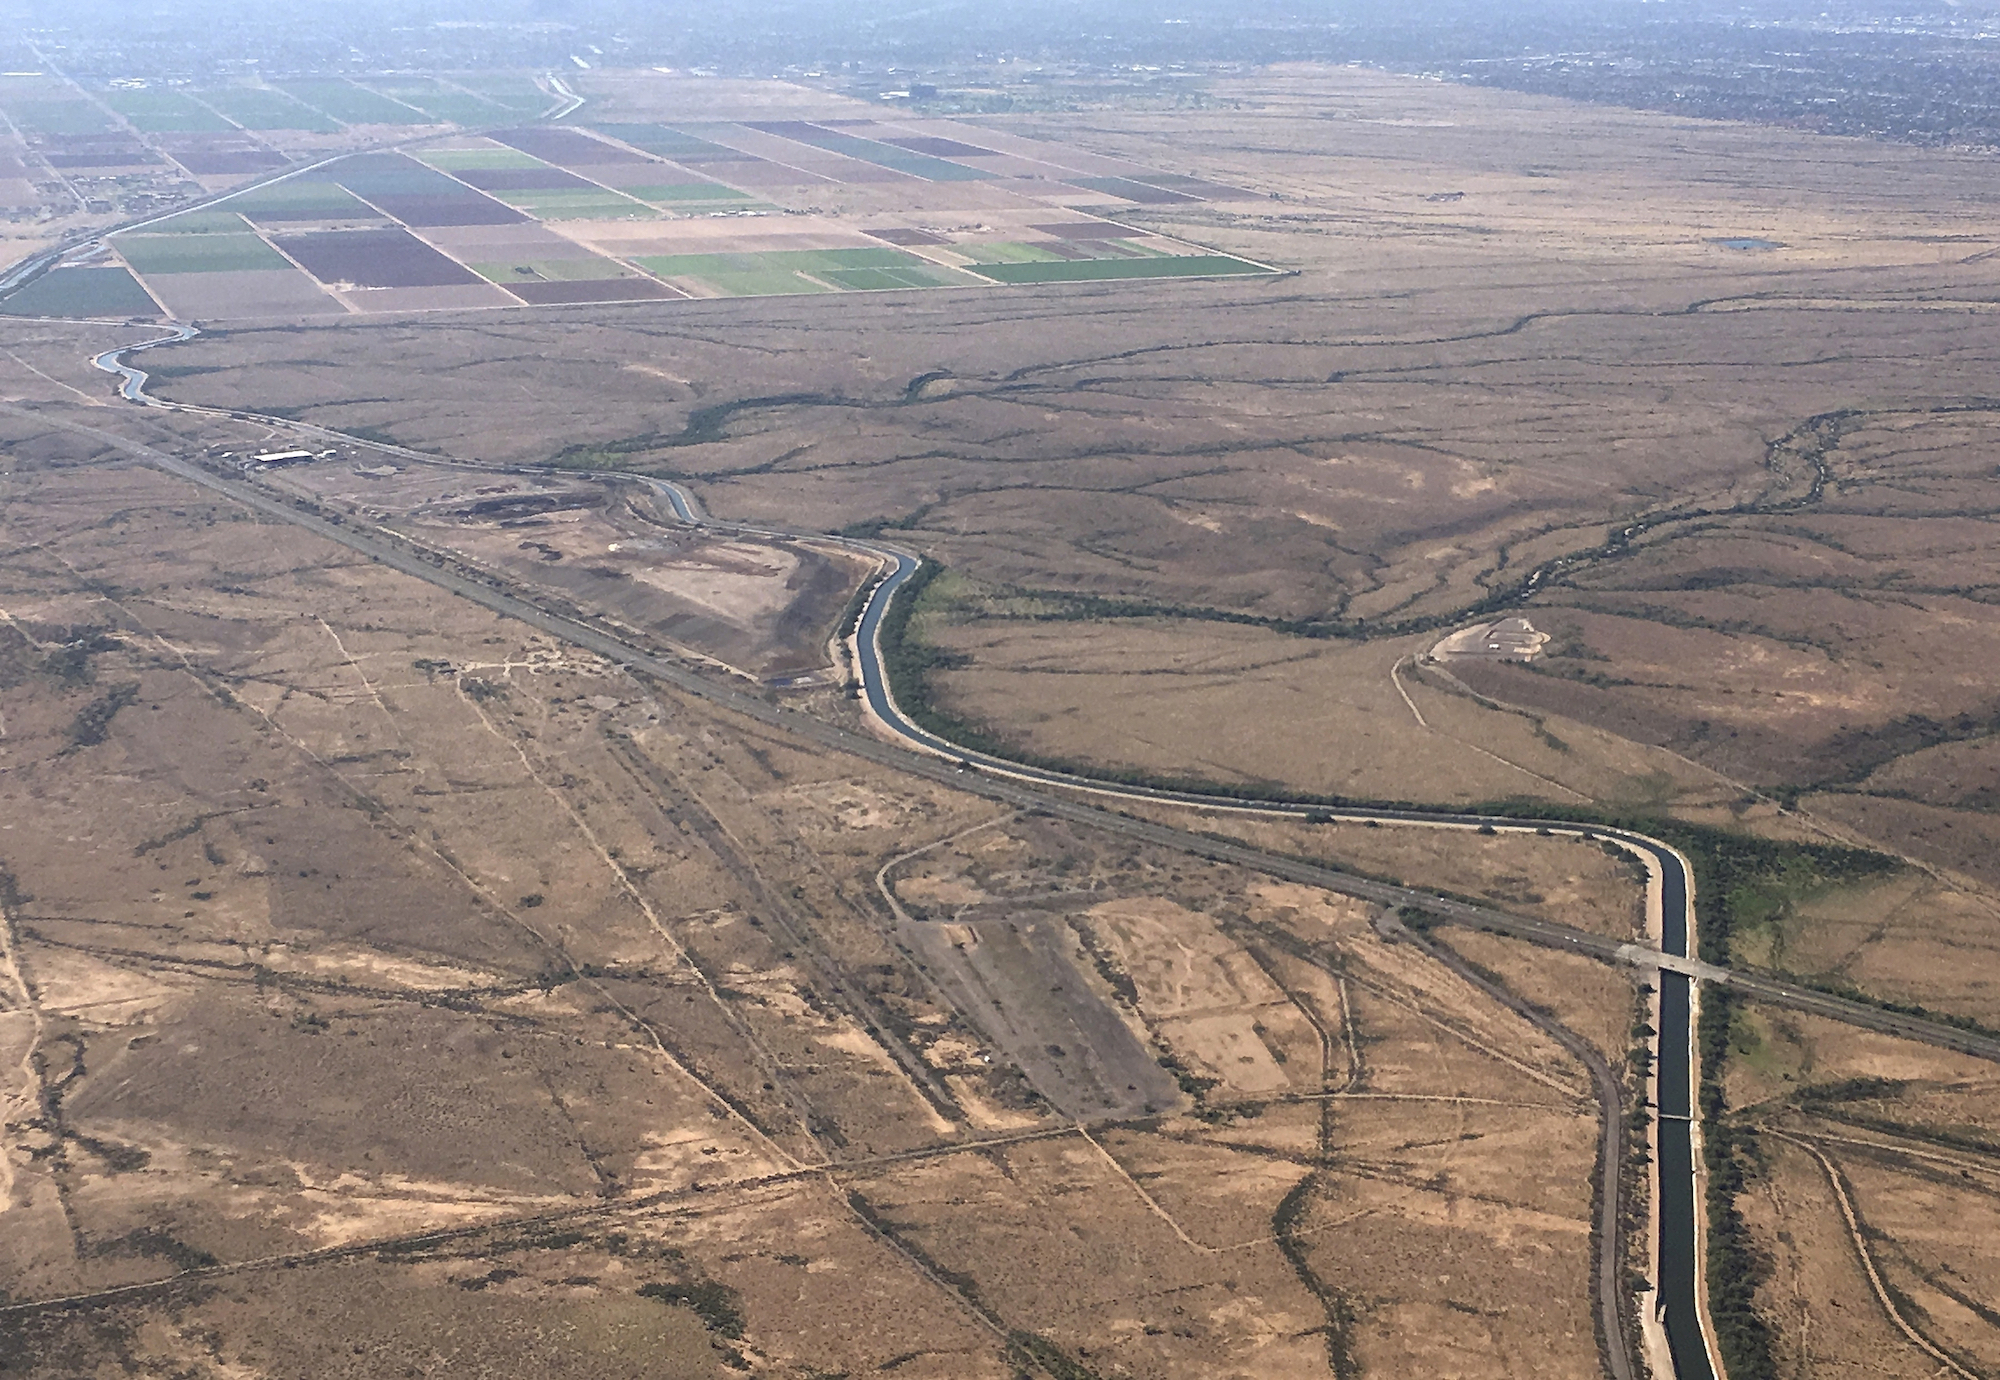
940 148
897 234
374 258
1085 230
112 158
566 147
222 162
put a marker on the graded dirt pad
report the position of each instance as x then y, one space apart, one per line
454 297
1019 982
602 290
204 296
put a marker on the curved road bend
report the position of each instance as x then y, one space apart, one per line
940 760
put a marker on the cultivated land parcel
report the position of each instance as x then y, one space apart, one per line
664 208
77 158
508 1004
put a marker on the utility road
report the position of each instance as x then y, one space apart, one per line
1068 796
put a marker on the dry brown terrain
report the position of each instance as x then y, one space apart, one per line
1882 1157
1446 393
760 606
341 913
1569 880
502 1006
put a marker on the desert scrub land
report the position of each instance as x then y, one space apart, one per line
1512 342
1344 1089
388 987
358 936
1871 1199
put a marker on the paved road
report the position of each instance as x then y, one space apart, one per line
1028 788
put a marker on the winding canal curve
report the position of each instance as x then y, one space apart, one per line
1677 1247
1676 1182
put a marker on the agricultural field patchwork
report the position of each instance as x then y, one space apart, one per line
538 214
77 157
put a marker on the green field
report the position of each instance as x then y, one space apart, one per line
82 292
1011 253
1033 252
881 279
519 94
760 283
779 271
578 205
443 103
60 117
165 112
474 159
1103 270
199 223
259 107
554 270
320 199
166 254
350 105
